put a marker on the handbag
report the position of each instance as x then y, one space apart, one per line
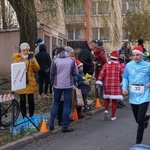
77 99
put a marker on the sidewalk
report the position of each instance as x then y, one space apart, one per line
34 137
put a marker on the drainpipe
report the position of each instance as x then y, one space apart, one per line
88 23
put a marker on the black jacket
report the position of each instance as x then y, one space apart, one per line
85 56
43 58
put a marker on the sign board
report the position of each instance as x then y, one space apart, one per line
18 76
6 97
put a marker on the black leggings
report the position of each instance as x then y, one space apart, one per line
23 104
139 112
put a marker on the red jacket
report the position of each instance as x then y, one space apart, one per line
99 56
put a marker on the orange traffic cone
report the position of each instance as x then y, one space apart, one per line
75 115
43 126
97 104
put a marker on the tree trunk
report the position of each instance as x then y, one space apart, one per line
26 16
3 14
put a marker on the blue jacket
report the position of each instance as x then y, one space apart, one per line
84 88
137 73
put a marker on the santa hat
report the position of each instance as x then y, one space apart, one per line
39 41
79 63
114 54
138 50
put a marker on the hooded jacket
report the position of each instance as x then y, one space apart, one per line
43 58
31 68
63 68
99 57
85 56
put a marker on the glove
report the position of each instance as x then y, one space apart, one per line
86 83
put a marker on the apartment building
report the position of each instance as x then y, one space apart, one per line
101 19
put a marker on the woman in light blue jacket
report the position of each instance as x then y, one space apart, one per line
136 80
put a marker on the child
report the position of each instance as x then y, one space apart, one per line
83 85
111 74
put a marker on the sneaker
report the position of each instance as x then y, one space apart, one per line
87 108
66 129
105 115
121 103
119 106
46 96
113 118
40 96
51 127
146 119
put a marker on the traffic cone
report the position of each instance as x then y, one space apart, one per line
43 126
97 104
75 115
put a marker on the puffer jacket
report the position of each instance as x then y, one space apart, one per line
31 87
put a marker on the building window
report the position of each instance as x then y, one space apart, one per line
100 33
130 6
74 33
100 8
76 9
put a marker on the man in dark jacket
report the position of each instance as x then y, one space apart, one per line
44 60
85 56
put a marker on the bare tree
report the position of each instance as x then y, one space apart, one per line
27 19
3 14
137 26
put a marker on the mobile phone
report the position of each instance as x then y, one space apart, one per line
30 56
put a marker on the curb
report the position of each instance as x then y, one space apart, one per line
35 137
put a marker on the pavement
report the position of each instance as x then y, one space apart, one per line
39 135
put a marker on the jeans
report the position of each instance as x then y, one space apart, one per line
139 112
66 105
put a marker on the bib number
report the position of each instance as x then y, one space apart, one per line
137 88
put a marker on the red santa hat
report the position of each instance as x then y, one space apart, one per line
79 63
138 50
114 54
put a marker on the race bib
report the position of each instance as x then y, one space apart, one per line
137 88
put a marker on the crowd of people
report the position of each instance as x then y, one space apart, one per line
126 71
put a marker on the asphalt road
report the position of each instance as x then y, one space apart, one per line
95 134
